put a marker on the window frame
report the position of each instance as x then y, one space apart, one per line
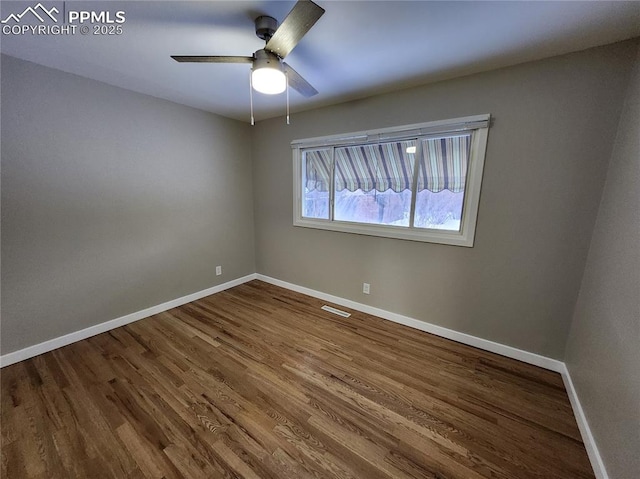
478 125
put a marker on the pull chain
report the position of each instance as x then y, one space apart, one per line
287 88
251 98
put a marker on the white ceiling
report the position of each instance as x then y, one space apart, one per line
357 49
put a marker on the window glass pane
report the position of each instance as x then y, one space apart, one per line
441 182
440 211
373 183
316 174
387 208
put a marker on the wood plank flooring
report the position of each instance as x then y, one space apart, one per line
259 382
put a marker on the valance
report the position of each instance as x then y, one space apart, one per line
390 166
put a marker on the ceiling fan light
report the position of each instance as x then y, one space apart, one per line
268 80
267 75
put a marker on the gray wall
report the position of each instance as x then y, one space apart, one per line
548 150
112 202
603 351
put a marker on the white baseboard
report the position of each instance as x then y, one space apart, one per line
585 431
55 343
485 344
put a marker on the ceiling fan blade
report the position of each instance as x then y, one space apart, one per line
298 83
210 59
298 22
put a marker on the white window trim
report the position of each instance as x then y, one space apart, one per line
478 124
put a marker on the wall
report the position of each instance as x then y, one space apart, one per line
603 350
112 202
554 125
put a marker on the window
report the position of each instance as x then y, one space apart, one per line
417 182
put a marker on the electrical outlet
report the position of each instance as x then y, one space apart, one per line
366 288
218 270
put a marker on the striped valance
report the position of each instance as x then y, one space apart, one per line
390 166
444 163
380 167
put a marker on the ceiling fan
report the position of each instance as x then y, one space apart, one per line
269 74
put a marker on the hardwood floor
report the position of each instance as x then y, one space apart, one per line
259 382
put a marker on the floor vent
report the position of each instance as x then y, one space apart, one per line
336 311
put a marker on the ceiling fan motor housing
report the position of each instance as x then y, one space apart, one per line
266 59
265 27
